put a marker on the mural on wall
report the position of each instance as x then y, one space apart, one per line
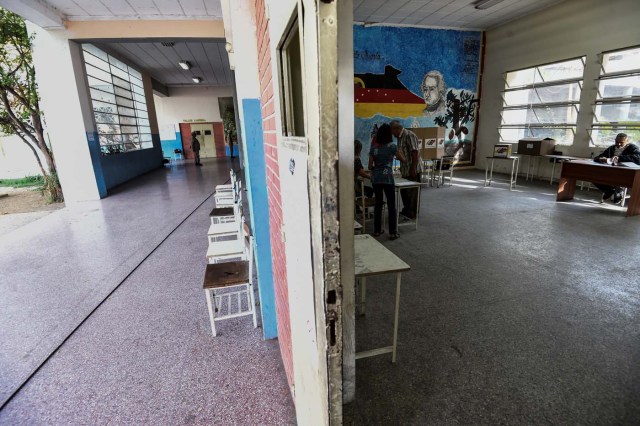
422 77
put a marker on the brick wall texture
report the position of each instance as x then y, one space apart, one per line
273 189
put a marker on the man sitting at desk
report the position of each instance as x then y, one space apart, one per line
621 151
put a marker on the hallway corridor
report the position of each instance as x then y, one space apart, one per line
146 354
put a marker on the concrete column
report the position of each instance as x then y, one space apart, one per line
240 30
68 114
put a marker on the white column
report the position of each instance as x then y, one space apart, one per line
64 99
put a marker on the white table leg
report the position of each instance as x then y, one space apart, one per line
486 173
363 294
553 172
208 294
397 314
418 206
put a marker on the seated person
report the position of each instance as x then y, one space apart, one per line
360 172
621 151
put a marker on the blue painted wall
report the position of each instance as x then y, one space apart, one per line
96 160
117 169
256 179
168 146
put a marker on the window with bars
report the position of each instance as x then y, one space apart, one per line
617 106
542 101
118 101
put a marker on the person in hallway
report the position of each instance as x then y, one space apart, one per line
621 151
195 147
381 157
360 172
410 167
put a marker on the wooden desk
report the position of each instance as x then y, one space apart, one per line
372 258
402 183
606 174
558 159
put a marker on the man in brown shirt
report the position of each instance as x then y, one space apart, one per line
410 169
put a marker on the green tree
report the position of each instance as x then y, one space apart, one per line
20 112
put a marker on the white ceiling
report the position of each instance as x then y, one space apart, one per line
81 10
444 13
208 58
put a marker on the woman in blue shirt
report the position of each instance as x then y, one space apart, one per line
381 157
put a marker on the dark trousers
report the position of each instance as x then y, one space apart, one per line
197 156
389 192
409 199
608 190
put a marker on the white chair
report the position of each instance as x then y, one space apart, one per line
228 288
228 250
228 198
228 230
450 163
230 186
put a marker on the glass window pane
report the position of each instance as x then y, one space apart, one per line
103 107
135 81
622 113
96 62
145 129
143 121
119 73
140 98
117 63
141 106
108 128
99 84
145 137
110 139
560 71
126 111
624 60
131 146
619 87
520 78
127 120
139 90
123 92
563 136
95 51
122 83
517 116
146 145
102 96
143 114
556 115
98 73
560 93
135 74
105 118
521 97
129 129
124 101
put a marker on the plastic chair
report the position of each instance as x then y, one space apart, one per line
228 288
177 153
448 164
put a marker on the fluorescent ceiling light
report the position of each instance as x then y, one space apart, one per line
185 65
196 79
486 4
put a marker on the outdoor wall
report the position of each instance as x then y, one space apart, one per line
570 29
391 65
17 160
184 104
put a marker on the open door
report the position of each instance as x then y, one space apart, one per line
306 94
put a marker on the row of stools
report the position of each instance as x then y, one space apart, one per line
228 279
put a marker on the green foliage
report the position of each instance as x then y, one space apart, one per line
23 182
229 124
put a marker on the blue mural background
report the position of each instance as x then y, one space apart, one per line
415 52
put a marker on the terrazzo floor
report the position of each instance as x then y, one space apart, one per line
146 354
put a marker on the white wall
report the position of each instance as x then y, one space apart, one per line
570 29
17 160
189 103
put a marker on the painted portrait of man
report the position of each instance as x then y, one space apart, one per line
433 92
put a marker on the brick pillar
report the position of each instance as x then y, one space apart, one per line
273 188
